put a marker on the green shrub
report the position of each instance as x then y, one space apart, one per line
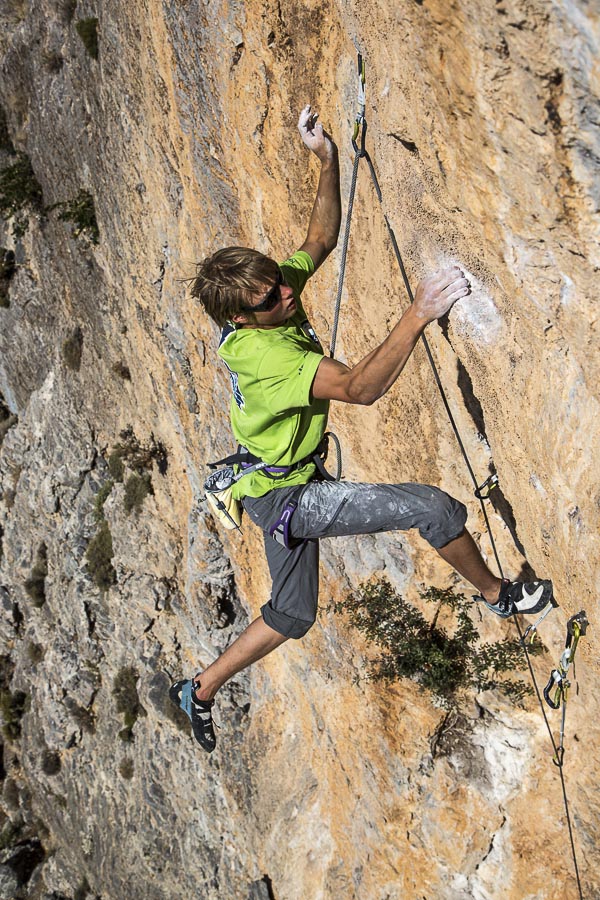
50 762
128 702
412 647
126 769
6 144
81 213
116 466
35 652
7 269
84 716
101 498
19 189
10 834
72 349
87 29
137 489
99 556
36 583
53 61
7 420
122 371
13 706
138 457
7 263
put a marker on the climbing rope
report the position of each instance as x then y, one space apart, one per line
482 491
359 122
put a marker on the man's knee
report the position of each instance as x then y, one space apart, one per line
446 518
288 626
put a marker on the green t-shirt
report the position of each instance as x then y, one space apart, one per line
272 371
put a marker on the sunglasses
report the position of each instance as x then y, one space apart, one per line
271 298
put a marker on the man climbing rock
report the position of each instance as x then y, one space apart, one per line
282 385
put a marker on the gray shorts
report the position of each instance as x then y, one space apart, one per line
335 509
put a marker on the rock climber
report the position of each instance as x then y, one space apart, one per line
282 385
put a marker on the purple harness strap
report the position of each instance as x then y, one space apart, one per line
271 470
280 530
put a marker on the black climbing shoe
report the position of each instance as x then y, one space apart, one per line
199 712
526 599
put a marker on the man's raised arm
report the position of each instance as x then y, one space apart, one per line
324 225
374 375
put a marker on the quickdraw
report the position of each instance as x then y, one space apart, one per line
228 510
360 121
488 486
557 689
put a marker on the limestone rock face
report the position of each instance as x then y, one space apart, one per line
483 131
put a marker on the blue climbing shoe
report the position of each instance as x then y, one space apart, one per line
526 599
182 693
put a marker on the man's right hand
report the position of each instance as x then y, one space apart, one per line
437 293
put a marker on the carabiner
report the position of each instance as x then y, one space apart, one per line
360 120
490 483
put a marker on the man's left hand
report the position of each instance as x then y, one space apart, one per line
314 135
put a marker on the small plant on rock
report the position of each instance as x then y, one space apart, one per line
50 762
6 144
67 8
19 188
81 213
126 769
122 371
99 555
101 498
138 457
7 270
72 349
137 488
87 29
116 466
127 700
129 451
83 715
36 583
411 647
35 652
13 706
7 420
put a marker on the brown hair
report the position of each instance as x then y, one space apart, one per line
225 281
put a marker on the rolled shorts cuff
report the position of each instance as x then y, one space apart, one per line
288 626
450 527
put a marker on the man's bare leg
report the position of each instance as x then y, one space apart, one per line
255 642
259 639
463 555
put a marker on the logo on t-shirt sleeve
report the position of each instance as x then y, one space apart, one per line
235 388
310 332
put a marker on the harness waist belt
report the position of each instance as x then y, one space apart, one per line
248 462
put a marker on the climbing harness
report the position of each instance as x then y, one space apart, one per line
280 530
218 487
481 491
576 628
